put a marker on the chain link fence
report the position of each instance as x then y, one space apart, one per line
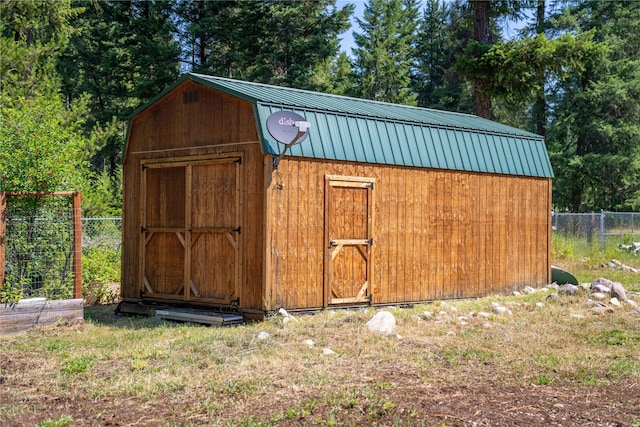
597 226
104 232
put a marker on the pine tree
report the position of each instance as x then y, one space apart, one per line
437 83
384 54
596 118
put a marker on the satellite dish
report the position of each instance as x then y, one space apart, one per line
287 127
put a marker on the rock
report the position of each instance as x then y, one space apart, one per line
286 316
495 304
598 296
452 309
262 335
552 296
632 303
484 314
501 310
600 288
516 293
396 336
601 310
585 286
328 352
309 343
383 323
529 290
425 315
615 302
539 304
544 289
558 406
576 316
553 286
568 289
637 310
617 291
602 281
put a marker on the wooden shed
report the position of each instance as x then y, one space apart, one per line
380 204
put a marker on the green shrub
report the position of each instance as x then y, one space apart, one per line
100 275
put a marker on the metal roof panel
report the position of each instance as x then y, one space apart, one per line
352 129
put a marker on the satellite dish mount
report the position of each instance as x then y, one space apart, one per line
288 128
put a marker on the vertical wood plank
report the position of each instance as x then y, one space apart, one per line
3 234
326 246
188 195
77 244
268 188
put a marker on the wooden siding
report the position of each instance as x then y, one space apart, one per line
437 234
185 141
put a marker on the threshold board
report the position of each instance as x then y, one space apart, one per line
199 316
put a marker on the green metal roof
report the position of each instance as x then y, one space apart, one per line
352 129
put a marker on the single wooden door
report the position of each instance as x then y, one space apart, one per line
348 240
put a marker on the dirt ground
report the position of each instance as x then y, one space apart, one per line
413 403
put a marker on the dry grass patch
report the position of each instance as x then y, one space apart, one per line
454 368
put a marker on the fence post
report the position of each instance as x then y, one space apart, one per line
77 245
602 228
3 233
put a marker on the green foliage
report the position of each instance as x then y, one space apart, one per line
38 248
100 271
78 364
39 148
61 421
384 53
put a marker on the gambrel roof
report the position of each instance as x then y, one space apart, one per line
359 130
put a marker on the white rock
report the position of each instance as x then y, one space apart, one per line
495 304
539 304
601 288
585 286
501 310
632 303
383 322
529 290
286 316
262 335
452 309
544 289
576 316
425 315
484 314
637 310
328 352
516 293
309 343
615 302
598 296
396 336
558 406
554 286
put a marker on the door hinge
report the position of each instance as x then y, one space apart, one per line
238 230
370 241
143 230
238 160
371 185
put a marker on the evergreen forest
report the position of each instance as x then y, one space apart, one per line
73 71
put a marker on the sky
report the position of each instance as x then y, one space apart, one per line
347 43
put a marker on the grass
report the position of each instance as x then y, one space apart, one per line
146 371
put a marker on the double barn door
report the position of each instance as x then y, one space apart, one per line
191 227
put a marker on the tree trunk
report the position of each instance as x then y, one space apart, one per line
540 104
482 34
